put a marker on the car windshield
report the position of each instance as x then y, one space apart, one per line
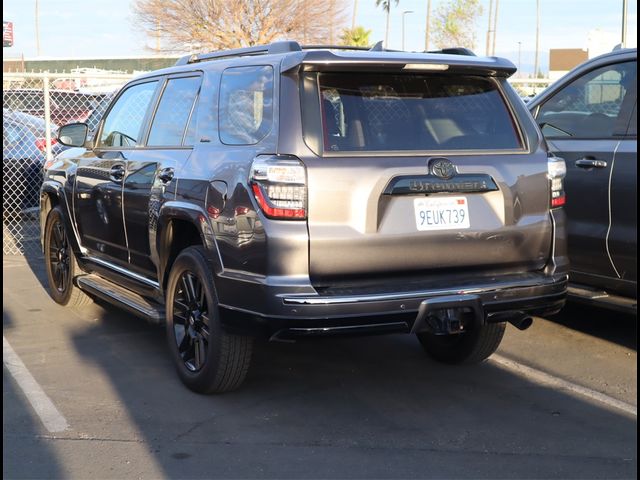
394 112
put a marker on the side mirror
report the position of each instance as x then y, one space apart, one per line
73 135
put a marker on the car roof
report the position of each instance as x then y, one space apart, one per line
31 122
291 55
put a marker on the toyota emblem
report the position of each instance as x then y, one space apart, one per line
443 168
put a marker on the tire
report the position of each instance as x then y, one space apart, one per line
60 263
208 359
470 347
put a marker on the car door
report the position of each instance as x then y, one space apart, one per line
622 240
583 123
101 172
150 175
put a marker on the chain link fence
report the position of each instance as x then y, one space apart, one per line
34 107
529 87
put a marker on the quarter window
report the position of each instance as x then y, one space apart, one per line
123 125
173 112
589 106
246 105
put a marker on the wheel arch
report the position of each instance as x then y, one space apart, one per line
51 196
180 226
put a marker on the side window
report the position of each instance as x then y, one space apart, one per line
123 124
173 112
589 106
246 105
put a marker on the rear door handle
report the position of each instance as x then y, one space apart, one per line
590 163
116 174
166 175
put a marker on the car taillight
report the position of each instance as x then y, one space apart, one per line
279 184
41 143
557 170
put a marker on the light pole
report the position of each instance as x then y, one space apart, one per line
624 23
535 63
37 30
426 33
403 14
519 51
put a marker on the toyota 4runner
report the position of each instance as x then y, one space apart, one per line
291 192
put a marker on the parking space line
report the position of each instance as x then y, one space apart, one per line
560 384
41 403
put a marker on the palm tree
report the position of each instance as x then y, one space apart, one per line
356 37
386 6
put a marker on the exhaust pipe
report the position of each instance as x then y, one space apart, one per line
521 322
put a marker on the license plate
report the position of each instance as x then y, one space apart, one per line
441 213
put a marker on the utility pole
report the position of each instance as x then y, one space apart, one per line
403 14
386 35
37 30
535 63
331 8
519 52
495 28
355 12
304 21
158 36
489 28
625 5
428 31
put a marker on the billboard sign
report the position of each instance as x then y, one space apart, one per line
7 34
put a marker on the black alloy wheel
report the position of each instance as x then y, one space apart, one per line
59 257
208 359
60 263
191 321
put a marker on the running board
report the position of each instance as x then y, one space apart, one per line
589 296
121 297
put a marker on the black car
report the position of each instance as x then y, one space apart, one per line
589 118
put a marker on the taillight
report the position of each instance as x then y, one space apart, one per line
41 143
279 185
557 170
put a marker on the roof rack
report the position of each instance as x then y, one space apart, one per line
272 48
332 47
454 51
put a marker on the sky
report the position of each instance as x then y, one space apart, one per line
99 28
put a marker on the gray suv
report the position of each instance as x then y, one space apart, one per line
289 192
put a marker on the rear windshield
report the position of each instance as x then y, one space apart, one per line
384 112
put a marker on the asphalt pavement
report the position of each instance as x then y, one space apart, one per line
557 401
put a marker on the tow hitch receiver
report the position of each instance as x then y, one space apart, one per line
449 315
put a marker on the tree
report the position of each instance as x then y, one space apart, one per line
386 6
205 25
355 37
453 24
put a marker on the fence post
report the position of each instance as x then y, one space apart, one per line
47 116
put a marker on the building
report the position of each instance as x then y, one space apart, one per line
112 64
561 60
